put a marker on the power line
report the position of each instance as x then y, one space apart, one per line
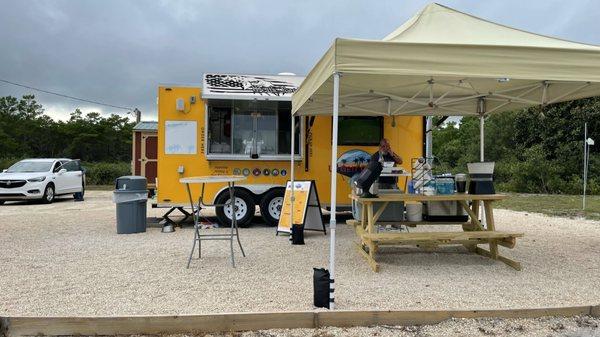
67 96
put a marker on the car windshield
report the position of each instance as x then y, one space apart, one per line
31 166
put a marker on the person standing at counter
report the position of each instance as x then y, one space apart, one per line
384 154
373 170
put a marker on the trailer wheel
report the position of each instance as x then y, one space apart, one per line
270 206
244 208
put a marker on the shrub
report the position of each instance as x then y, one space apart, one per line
105 173
7 162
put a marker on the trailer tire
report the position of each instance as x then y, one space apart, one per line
245 205
270 206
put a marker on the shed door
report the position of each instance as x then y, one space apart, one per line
148 159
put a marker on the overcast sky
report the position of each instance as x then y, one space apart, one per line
118 51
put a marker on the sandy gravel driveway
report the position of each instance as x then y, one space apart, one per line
66 259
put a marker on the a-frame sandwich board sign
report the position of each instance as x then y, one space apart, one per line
307 207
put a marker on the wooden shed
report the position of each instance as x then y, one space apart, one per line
144 151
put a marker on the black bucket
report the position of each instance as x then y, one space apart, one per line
322 287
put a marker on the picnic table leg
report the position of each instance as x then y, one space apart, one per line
474 214
493 252
363 216
370 224
511 263
474 223
489 217
371 230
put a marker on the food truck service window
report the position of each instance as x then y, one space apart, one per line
250 129
360 130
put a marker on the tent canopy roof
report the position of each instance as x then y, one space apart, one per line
444 62
440 24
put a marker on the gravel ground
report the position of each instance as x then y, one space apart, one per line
65 259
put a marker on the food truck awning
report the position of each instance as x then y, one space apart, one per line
443 62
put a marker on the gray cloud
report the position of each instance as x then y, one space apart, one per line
119 51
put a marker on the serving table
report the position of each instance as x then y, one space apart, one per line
198 237
473 233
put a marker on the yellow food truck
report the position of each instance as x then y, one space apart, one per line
241 125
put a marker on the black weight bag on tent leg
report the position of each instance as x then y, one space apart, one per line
322 287
367 177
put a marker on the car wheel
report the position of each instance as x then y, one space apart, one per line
270 206
48 196
244 208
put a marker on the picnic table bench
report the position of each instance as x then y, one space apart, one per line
473 232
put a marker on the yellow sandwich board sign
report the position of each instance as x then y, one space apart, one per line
307 207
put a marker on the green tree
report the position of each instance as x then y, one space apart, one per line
538 150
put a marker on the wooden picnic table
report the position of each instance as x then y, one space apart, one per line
473 232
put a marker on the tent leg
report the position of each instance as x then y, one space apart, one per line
585 163
293 130
332 221
429 137
481 138
481 110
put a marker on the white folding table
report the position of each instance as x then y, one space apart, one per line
230 180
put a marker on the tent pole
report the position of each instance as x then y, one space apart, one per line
292 174
429 125
429 137
332 221
481 111
586 154
481 138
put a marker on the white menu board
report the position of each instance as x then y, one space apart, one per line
180 137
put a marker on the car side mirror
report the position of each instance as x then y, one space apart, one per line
61 171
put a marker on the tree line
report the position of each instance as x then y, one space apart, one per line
26 131
536 150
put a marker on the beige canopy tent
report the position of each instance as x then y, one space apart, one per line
444 62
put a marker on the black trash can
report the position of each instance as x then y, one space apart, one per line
131 198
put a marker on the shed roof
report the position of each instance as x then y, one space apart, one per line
146 126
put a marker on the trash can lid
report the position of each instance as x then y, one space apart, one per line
128 183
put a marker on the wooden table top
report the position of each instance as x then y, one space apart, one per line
420 197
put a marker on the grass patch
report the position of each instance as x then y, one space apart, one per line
100 187
553 205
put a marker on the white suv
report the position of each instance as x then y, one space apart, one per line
42 179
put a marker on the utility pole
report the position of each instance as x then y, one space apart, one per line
138 115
